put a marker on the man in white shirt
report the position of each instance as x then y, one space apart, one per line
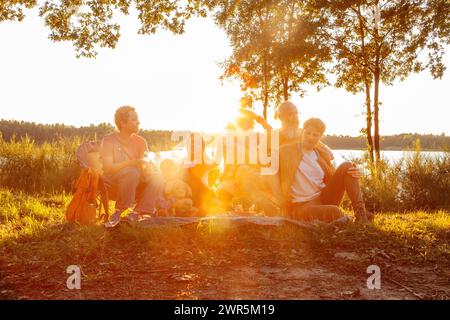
308 181
311 187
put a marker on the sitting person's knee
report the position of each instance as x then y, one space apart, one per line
131 173
345 166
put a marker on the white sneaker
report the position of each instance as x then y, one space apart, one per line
114 220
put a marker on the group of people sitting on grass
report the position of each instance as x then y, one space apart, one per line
305 187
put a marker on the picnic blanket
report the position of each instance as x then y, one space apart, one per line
230 220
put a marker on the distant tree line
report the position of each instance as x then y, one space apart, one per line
157 139
160 140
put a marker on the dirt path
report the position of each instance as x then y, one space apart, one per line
258 269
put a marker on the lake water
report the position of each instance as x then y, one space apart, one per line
339 155
391 156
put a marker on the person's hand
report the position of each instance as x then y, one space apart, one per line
354 172
138 163
150 166
148 170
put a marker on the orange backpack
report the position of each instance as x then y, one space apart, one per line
83 206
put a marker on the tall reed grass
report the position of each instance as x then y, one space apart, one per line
37 169
415 182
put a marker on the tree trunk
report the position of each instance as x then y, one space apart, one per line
376 111
367 88
286 88
266 104
265 89
369 123
376 104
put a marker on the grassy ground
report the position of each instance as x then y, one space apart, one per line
210 261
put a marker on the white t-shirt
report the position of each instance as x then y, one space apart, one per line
308 180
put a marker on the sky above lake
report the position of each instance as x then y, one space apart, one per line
173 81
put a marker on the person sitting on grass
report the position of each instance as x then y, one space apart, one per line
131 180
311 188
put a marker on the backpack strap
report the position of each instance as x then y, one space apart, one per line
123 147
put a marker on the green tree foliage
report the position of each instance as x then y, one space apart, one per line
13 10
275 50
299 53
377 41
90 24
249 26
